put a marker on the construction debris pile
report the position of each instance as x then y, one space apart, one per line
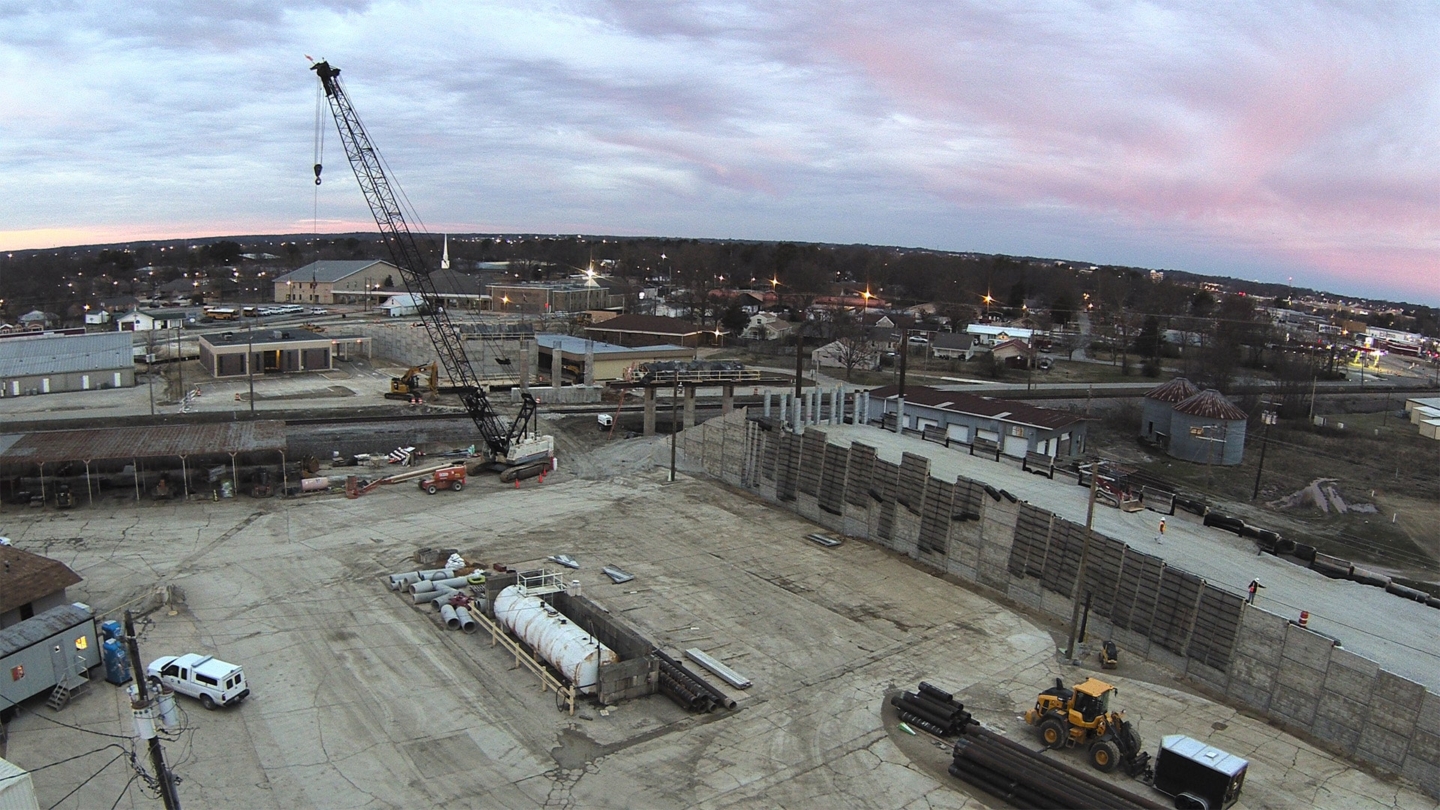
1323 494
933 710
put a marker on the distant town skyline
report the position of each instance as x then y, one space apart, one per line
1290 140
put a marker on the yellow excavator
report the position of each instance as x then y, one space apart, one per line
1082 717
409 385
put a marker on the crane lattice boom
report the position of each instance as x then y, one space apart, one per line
385 206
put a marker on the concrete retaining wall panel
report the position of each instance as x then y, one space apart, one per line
1351 676
1307 648
1381 747
1398 690
969 573
1395 706
1026 592
1301 679
1262 636
964 542
808 506
1429 718
856 522
1296 708
1423 772
1164 657
1207 675
1057 605
1252 681
1339 720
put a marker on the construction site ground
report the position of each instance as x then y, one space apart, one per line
362 701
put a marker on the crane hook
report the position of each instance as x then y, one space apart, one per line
317 174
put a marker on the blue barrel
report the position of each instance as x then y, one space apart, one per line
117 663
110 629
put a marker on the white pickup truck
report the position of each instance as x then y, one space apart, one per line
204 677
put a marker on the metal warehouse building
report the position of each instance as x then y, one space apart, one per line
56 364
1207 429
1017 428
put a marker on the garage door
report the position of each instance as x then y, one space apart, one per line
1015 446
958 433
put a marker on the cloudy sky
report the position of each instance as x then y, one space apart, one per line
1260 140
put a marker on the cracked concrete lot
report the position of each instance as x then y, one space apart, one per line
362 701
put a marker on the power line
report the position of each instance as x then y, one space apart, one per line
29 771
87 780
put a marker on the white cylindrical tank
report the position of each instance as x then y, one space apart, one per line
570 649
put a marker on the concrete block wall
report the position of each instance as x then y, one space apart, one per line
1291 675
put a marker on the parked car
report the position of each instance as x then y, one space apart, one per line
319 311
204 677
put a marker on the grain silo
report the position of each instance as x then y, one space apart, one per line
1207 429
1158 405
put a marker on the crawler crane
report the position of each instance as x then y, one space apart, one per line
512 449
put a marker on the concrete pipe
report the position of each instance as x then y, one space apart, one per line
424 597
452 582
438 573
467 622
422 586
398 581
442 597
447 614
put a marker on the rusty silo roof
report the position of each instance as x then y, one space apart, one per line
1210 404
1177 390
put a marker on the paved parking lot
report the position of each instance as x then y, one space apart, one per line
362 701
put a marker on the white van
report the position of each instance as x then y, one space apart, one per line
203 677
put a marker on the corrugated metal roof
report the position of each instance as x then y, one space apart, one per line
1211 404
330 270
65 354
143 442
40 627
1177 390
1006 409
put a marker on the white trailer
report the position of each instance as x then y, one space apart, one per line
51 651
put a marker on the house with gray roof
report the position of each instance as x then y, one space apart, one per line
338 282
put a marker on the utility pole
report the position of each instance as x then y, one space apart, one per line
675 419
1268 417
250 364
904 357
1084 558
145 724
799 356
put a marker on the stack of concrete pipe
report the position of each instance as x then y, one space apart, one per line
437 588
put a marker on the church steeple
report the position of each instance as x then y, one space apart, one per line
445 257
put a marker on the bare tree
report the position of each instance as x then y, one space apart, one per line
856 349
